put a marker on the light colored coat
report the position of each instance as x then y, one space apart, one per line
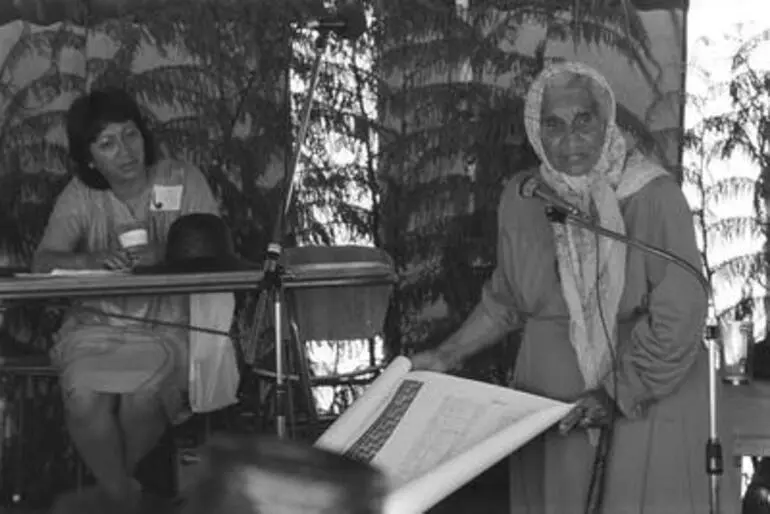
657 465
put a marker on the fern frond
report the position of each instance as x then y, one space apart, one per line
36 95
727 231
31 43
729 189
737 270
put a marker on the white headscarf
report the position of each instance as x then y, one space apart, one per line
592 303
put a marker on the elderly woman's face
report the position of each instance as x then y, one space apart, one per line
572 130
118 152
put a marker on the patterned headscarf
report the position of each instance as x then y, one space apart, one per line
592 269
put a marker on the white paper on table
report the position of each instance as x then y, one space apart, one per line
85 272
71 273
432 433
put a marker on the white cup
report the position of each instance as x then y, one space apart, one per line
133 238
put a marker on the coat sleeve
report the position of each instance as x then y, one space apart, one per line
499 295
665 341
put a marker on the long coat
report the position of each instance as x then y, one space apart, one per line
657 464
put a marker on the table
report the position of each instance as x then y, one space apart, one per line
748 409
127 284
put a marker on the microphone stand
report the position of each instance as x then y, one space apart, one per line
272 270
714 459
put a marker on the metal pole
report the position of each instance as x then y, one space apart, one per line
275 248
714 459
281 389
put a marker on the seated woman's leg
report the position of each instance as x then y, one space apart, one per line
93 426
143 421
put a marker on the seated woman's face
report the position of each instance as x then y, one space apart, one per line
118 152
572 130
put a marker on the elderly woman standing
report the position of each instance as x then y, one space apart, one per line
614 329
123 380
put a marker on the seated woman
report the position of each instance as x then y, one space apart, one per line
123 377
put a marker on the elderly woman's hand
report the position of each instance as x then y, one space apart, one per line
433 360
594 409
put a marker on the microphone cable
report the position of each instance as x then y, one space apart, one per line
150 321
603 451
595 494
714 451
235 338
128 317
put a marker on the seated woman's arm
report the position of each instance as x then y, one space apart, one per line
46 261
62 234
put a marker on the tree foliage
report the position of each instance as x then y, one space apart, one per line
416 127
743 131
211 95
452 100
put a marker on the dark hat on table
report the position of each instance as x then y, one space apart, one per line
199 243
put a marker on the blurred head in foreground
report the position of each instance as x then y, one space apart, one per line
256 475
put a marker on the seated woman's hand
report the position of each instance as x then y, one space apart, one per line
111 260
146 255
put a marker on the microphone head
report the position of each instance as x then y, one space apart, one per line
528 186
353 17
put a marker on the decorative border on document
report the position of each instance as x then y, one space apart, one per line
378 433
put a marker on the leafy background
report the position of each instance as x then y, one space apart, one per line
414 132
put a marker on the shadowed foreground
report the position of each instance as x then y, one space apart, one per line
487 494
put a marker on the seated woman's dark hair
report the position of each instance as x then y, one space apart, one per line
88 116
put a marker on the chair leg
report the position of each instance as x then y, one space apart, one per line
296 364
303 371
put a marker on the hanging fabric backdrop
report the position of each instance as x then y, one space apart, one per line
456 74
649 79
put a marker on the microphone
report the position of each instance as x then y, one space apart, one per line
533 187
348 22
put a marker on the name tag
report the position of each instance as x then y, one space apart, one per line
166 198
